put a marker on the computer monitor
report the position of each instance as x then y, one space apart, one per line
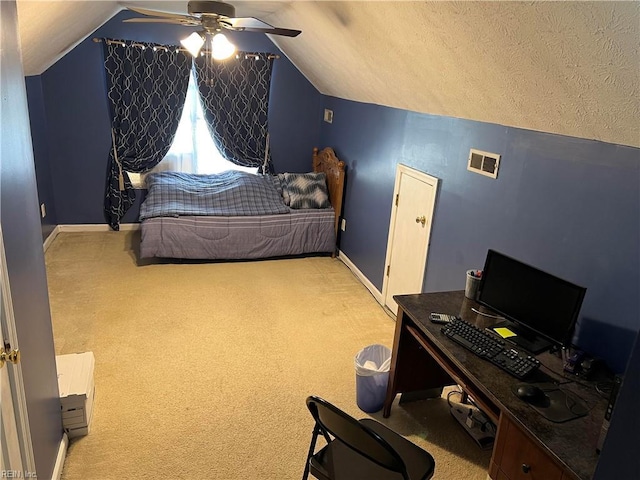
540 308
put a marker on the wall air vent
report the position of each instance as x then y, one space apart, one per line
484 163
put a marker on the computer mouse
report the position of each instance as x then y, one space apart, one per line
530 393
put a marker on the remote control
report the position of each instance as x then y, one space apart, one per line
441 318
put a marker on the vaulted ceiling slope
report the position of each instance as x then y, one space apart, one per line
570 68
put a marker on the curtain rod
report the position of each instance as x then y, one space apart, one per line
160 47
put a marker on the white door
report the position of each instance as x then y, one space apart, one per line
409 232
11 456
17 450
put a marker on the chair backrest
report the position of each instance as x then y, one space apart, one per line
355 435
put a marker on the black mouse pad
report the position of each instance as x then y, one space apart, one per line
557 405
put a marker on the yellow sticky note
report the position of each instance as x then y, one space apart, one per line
504 332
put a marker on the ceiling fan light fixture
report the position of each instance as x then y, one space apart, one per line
221 48
193 43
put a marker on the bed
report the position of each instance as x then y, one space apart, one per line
247 222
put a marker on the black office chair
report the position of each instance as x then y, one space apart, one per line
361 449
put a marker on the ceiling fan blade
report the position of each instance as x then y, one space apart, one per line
177 21
156 13
207 18
247 22
250 24
285 32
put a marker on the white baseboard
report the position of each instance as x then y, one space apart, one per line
365 281
62 453
92 227
49 240
124 227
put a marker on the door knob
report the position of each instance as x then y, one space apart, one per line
13 356
421 220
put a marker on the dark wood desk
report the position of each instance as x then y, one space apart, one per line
527 445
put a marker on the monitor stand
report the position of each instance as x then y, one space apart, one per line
524 338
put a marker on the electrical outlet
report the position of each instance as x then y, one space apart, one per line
343 224
328 115
43 210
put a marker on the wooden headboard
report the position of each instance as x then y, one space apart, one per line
326 161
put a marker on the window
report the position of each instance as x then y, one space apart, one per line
192 150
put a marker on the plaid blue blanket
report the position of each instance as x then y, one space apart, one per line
226 194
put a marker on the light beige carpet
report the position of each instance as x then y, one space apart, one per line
202 369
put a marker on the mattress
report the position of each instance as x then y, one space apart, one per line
299 232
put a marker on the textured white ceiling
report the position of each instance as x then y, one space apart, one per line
48 30
570 68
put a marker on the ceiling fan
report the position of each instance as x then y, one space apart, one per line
213 17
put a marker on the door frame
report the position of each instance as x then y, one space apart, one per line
428 179
16 382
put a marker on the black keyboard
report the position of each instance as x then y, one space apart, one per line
490 348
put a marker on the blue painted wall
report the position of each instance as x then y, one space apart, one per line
21 231
37 120
569 206
72 96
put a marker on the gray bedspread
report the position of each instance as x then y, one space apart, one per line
225 238
228 194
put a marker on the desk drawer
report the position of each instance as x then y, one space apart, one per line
522 459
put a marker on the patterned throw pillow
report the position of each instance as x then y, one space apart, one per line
284 190
307 190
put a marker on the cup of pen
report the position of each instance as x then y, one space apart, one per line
473 283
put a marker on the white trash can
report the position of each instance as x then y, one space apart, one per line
372 376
